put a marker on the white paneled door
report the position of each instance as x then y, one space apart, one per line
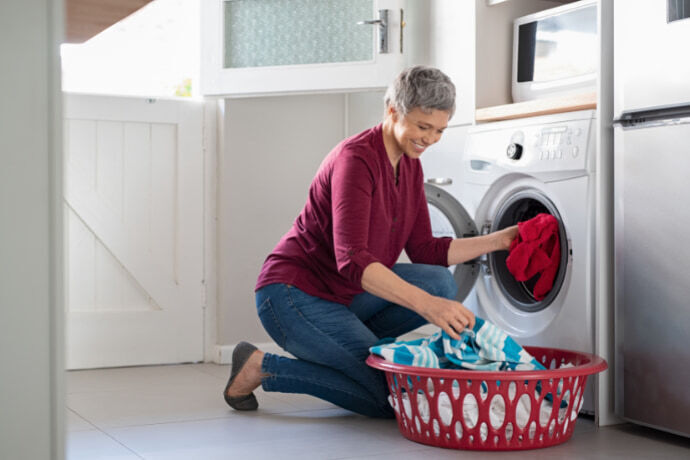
134 239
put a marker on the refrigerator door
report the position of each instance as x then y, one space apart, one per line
652 69
652 274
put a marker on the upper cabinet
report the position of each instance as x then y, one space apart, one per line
451 48
252 47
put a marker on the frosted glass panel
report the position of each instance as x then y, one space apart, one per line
288 32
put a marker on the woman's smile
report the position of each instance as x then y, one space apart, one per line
418 147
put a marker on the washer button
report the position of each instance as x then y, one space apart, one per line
575 151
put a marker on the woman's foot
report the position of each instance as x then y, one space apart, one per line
244 378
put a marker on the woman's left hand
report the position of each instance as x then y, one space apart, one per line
505 237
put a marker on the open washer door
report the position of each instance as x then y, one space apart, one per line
520 207
449 218
502 299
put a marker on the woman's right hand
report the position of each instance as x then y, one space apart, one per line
450 315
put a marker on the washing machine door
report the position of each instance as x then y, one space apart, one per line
449 218
519 207
508 303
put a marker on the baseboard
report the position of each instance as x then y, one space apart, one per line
222 354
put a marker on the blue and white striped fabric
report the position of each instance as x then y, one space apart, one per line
485 347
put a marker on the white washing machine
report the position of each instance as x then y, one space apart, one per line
512 171
444 174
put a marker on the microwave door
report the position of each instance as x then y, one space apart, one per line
651 65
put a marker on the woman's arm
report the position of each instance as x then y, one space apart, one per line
464 249
449 315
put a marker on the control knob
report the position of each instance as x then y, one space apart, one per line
514 151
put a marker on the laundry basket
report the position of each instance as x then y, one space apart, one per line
497 410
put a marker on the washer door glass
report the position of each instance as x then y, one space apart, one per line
520 207
449 218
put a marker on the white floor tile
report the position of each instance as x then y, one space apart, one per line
136 378
177 412
165 405
77 423
312 434
93 445
220 371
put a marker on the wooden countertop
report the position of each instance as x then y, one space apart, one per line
544 106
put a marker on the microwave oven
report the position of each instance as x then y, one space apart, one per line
555 52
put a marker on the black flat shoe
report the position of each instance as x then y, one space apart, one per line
240 355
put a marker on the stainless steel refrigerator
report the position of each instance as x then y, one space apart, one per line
652 212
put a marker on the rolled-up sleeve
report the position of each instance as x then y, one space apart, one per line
422 247
352 186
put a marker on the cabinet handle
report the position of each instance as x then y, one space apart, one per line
382 22
402 26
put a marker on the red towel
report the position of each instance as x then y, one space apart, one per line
536 250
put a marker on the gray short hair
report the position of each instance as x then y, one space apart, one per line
424 87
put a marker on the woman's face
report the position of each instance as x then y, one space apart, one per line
418 130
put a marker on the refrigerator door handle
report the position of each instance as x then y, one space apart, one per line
675 115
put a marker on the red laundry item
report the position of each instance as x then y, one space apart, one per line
536 251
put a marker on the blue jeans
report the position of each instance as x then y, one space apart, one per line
331 341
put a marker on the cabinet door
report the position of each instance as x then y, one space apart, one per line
452 49
254 47
134 228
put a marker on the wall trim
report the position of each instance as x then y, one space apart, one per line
213 119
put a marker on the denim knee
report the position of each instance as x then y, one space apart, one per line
385 410
444 284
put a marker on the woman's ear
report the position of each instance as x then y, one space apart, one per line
391 112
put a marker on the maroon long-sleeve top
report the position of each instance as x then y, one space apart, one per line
355 215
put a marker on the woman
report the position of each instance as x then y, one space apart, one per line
331 288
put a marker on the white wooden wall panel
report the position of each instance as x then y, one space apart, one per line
137 186
109 139
81 250
134 197
80 157
164 200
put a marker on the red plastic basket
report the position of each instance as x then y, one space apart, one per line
461 409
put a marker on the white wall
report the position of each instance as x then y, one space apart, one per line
271 149
149 53
31 393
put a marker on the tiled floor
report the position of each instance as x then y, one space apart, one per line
177 412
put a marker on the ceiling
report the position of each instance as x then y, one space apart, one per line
86 18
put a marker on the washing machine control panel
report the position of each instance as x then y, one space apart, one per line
563 142
514 151
553 144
